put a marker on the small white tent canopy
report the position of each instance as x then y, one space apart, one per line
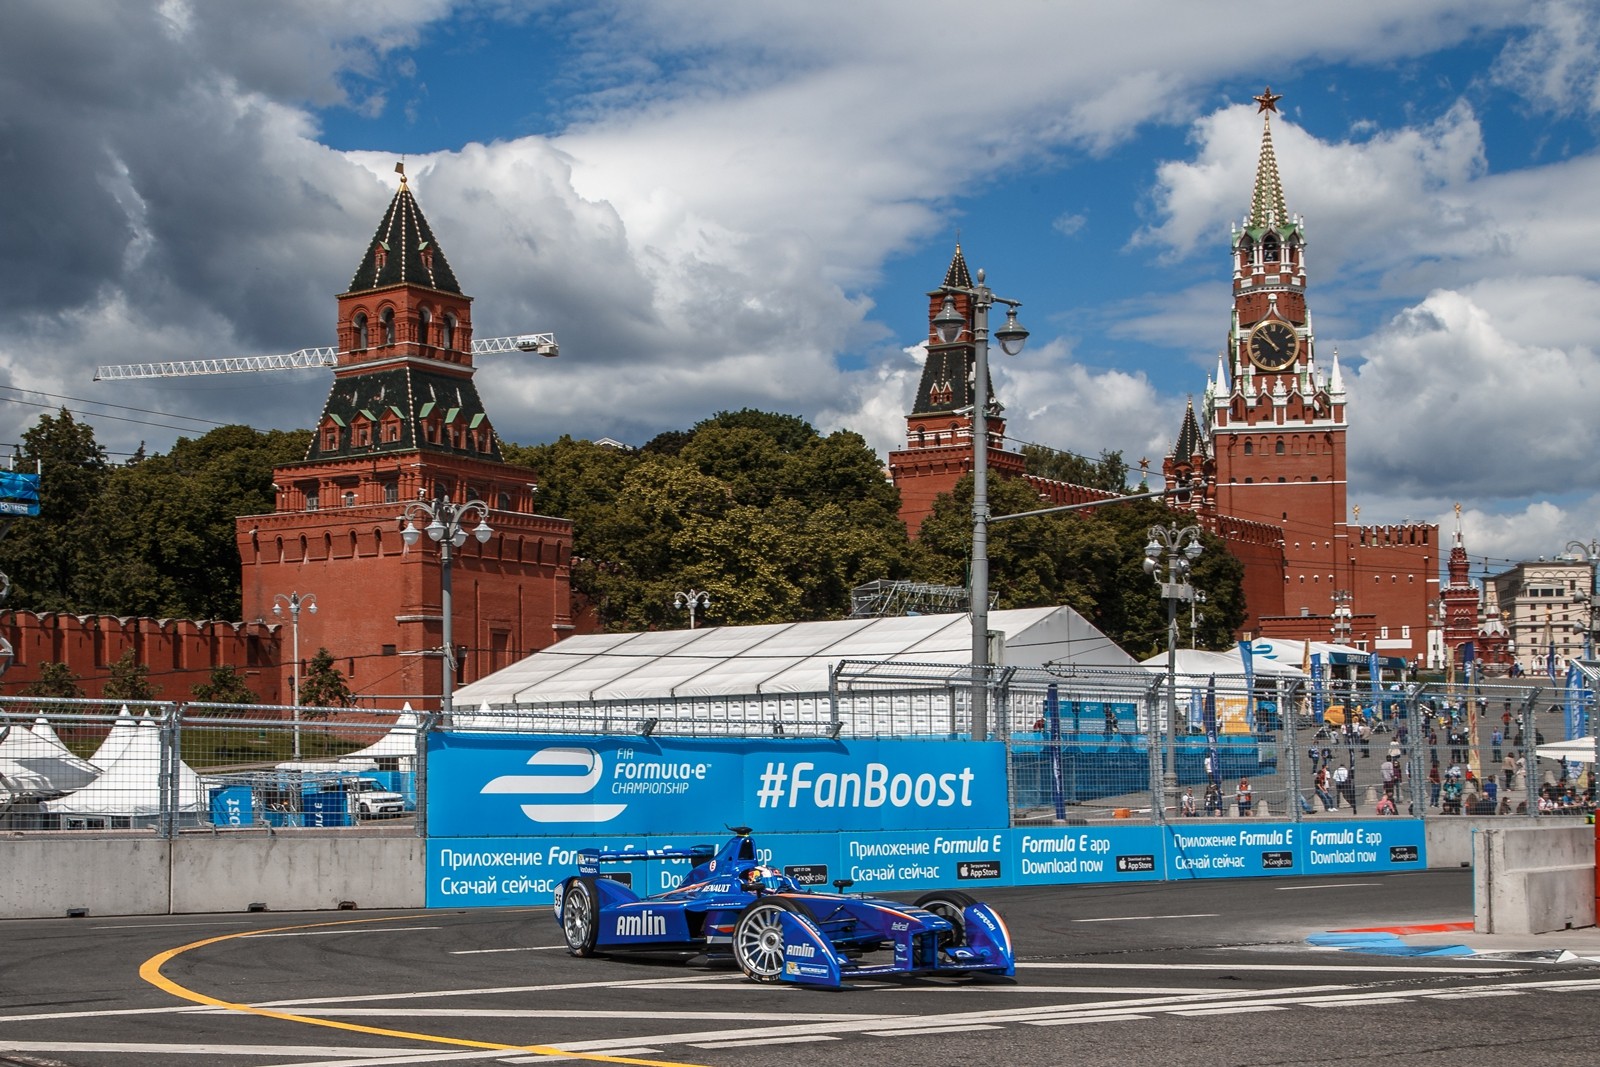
35 763
129 787
122 731
1578 750
777 659
399 743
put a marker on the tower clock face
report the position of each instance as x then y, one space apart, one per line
1273 345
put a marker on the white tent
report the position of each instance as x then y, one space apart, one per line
399 743
128 787
35 763
122 731
1198 663
778 659
1578 750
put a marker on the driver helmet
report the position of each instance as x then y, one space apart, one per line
759 879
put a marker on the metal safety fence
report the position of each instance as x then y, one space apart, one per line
1082 745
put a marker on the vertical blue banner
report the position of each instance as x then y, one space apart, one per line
1052 713
1318 706
1247 657
1375 673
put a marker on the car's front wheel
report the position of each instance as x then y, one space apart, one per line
950 905
580 916
758 941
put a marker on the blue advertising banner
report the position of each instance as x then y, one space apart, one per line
489 785
1247 656
524 871
19 493
1069 855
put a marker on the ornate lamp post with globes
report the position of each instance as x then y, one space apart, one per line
949 324
694 600
1181 548
446 525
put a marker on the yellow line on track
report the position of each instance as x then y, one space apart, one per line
150 971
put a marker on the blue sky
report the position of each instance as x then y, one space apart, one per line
717 206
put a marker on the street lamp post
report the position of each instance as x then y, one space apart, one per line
294 602
445 525
1194 618
694 599
949 324
1590 554
1181 547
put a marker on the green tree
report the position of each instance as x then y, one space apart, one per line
1108 472
44 555
323 684
226 686
1091 560
130 680
55 680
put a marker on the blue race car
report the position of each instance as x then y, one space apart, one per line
731 906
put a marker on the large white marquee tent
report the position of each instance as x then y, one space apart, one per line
780 673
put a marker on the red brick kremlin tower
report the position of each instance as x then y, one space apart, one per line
402 422
939 429
1272 451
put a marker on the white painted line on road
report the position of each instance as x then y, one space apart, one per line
920 1031
568 1013
488 951
212 1049
1142 918
1235 1009
414 1057
1322 885
1107 1017
604 1050
797 1039
365 931
1353 968
1470 994
1355 1003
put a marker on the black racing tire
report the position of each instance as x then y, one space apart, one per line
580 916
758 938
951 905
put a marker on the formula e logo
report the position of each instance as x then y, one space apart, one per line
589 767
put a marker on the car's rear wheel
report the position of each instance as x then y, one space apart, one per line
758 938
580 916
950 905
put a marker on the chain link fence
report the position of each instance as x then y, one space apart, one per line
1082 746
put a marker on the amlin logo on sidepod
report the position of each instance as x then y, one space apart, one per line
561 783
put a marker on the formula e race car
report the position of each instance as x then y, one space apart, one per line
731 906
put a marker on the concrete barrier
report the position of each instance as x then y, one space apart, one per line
291 872
1529 880
51 877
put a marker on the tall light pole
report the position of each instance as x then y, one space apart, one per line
294 602
693 599
1590 554
1181 547
949 324
1195 618
446 525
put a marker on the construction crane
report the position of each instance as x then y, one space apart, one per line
542 343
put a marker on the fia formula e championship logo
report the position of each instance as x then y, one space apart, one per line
561 772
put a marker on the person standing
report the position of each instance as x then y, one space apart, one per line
1189 804
1386 773
1508 767
1496 740
1435 783
1244 798
1344 781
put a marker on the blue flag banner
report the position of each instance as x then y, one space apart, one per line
1247 657
1376 674
1209 720
1550 660
19 493
1574 707
1052 714
1319 705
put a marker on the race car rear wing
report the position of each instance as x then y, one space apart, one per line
591 857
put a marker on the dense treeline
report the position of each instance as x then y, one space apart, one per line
151 537
773 520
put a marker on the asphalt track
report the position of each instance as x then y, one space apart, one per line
1198 973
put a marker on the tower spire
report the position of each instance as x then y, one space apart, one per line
1267 209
